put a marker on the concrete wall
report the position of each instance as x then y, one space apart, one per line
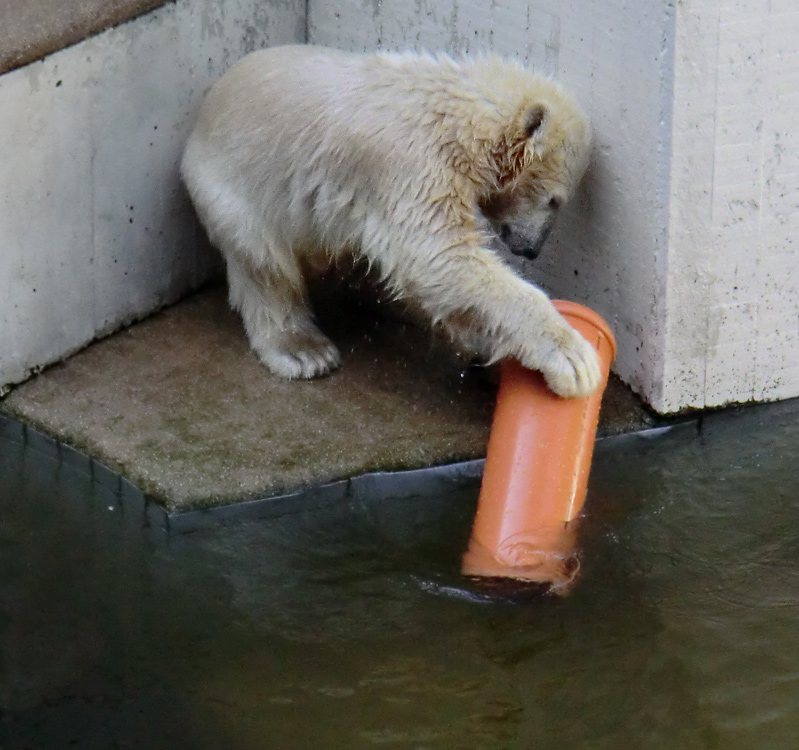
682 235
95 229
732 304
32 29
609 247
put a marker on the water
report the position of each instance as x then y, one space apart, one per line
349 628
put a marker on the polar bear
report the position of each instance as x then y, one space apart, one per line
416 163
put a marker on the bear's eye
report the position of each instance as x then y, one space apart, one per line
555 202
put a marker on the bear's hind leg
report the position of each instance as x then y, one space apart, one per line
279 323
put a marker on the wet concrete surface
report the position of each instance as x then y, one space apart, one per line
180 407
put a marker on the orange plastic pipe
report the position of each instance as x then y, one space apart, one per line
536 470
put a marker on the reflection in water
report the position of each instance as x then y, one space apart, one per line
349 627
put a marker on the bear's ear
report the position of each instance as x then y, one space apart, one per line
526 137
534 120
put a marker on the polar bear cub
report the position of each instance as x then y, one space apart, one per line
419 165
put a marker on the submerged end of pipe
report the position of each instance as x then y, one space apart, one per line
508 589
536 571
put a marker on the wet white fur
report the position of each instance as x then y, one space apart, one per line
301 154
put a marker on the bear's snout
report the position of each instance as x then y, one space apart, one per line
524 242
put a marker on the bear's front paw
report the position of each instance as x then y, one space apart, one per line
571 368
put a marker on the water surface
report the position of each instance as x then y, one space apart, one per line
338 628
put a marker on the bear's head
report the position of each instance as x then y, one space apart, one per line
536 159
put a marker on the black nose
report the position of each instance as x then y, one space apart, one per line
531 252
